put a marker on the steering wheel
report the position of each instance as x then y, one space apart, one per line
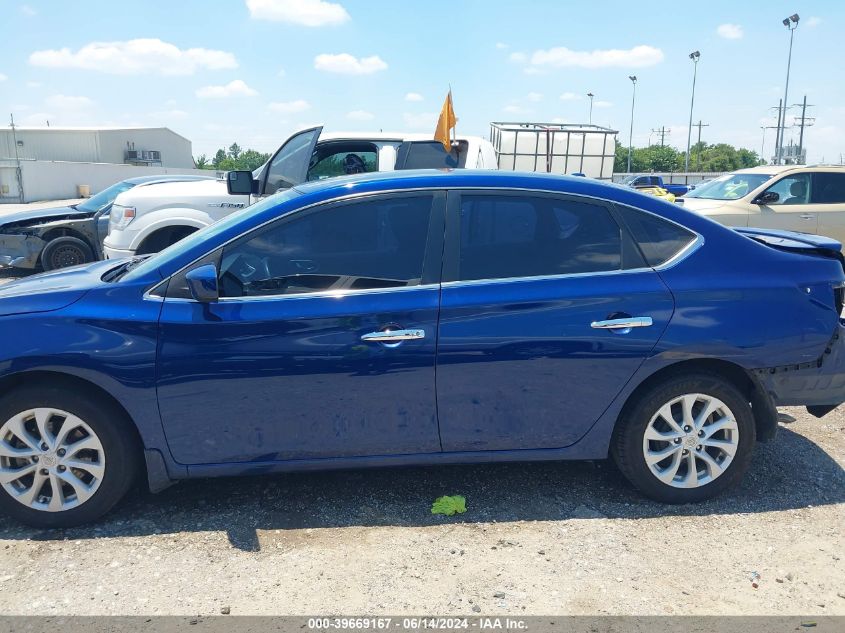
249 267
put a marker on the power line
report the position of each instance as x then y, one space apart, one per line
662 132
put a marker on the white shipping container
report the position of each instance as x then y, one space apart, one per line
555 148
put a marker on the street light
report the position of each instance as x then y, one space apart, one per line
694 57
790 23
591 95
633 79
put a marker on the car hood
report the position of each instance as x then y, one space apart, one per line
51 291
179 194
705 206
39 216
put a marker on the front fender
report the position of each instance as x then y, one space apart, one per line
148 224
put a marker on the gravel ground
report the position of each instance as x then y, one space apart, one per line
550 538
537 539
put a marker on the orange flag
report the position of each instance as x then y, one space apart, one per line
445 123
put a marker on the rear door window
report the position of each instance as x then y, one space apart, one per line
659 239
828 188
503 236
431 155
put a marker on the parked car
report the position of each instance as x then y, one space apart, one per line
151 219
66 236
810 199
658 192
641 181
565 318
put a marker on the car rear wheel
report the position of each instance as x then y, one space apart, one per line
65 458
63 252
686 439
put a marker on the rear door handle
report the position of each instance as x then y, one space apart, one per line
807 216
393 336
621 324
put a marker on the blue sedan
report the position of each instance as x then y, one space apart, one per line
417 318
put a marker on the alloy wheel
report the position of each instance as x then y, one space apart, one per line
50 460
690 441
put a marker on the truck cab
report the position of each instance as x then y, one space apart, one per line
163 214
644 181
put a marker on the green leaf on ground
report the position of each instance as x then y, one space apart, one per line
449 505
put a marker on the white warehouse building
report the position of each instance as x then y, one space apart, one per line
53 163
158 146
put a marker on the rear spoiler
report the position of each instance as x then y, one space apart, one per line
792 241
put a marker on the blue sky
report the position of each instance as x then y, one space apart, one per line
252 71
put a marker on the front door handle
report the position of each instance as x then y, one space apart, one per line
807 216
621 324
393 336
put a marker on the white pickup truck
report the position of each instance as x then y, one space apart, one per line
162 214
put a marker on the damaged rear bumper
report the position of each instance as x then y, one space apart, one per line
818 385
20 251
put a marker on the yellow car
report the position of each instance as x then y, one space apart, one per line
659 192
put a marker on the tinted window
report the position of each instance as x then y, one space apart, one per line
334 159
658 239
729 186
430 155
828 188
289 165
524 236
364 244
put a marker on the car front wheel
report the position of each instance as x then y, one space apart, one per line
686 439
65 457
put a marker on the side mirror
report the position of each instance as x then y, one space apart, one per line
767 197
202 282
241 183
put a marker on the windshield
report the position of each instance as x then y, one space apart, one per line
729 187
105 197
144 267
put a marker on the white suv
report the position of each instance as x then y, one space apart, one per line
147 221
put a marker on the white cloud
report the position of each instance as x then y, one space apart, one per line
134 57
3 77
413 96
501 46
602 104
346 64
533 70
36 119
28 11
303 12
519 58
562 57
813 21
281 72
730 31
235 88
423 121
65 102
570 96
360 115
289 107
534 97
33 84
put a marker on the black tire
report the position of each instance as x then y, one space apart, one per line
627 444
63 252
115 433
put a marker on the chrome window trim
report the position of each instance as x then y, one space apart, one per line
685 252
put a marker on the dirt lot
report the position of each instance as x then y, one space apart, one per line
536 539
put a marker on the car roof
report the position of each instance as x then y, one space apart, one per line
140 180
777 169
386 136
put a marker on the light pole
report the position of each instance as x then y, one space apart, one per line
633 79
694 57
591 95
790 23
763 143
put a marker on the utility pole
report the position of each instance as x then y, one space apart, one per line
805 122
18 173
662 132
699 125
781 117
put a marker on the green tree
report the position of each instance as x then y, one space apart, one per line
235 150
219 157
201 161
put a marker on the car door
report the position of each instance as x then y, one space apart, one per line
289 165
792 210
322 343
828 198
547 310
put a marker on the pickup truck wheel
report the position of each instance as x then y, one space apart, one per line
66 457
62 252
686 439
